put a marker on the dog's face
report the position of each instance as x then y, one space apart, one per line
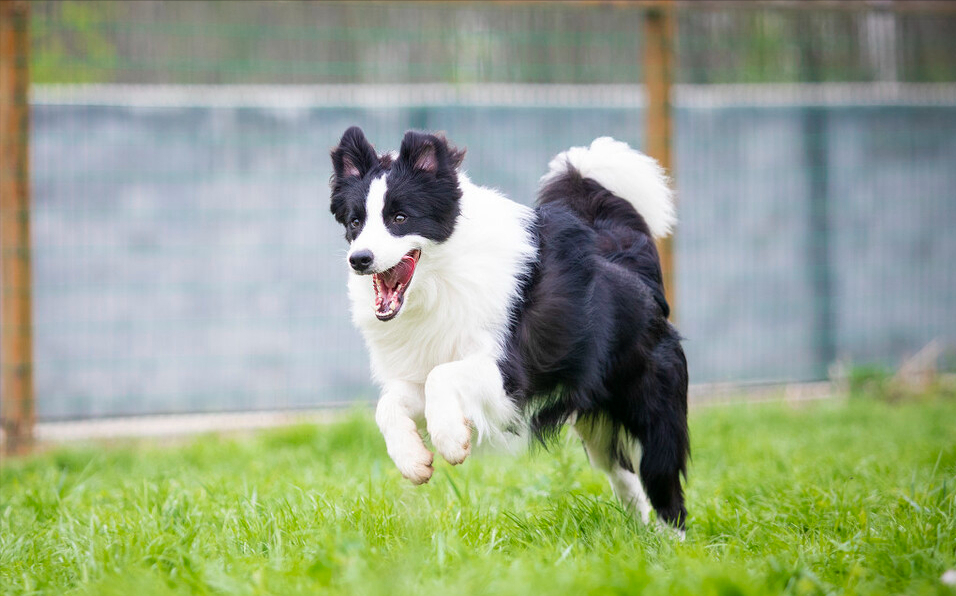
394 209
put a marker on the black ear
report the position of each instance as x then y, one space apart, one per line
354 156
429 153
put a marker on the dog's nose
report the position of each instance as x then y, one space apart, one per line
361 260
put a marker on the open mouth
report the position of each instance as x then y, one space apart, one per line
391 284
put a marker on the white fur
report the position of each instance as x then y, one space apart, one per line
598 437
387 250
628 173
450 333
437 359
447 390
398 408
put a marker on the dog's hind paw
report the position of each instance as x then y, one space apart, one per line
453 442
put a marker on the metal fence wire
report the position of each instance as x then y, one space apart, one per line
184 259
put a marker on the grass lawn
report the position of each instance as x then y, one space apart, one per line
839 497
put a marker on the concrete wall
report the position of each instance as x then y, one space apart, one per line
185 259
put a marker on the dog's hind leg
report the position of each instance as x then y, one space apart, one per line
660 469
612 451
658 418
401 403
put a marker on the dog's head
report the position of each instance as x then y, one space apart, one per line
394 208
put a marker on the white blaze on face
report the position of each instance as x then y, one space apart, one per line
387 250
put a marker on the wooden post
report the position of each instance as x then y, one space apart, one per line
658 79
816 149
16 325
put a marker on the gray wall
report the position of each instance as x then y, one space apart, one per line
185 259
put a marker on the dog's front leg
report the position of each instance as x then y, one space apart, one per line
461 396
401 403
448 428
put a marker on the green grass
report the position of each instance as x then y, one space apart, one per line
853 497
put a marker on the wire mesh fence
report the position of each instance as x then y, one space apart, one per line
183 254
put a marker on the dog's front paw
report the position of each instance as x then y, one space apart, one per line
452 441
413 460
419 470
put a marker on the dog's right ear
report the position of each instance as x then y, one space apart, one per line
354 156
429 153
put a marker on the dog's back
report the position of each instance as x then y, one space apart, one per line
591 342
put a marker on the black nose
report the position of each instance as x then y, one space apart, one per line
361 260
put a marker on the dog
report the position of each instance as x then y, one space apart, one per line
485 317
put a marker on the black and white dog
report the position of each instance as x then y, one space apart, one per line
483 315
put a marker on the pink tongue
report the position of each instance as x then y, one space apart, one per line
400 273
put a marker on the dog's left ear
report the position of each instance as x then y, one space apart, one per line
430 153
354 156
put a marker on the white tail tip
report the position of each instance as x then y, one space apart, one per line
635 177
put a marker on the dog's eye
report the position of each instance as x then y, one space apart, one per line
399 218
356 222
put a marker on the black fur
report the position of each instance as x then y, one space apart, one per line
422 185
355 165
591 337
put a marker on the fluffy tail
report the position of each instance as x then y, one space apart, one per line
626 172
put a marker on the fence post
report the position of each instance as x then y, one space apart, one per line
658 80
816 149
16 326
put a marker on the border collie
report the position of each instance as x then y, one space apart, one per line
483 316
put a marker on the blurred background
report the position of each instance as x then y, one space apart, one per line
184 258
